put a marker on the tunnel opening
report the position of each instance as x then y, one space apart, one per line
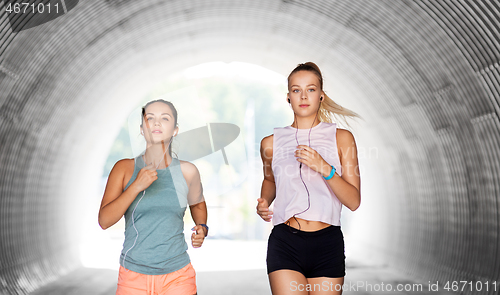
423 73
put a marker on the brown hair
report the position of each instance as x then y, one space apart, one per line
328 109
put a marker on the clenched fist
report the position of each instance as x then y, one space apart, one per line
145 177
263 210
198 236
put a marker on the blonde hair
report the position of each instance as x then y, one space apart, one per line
328 109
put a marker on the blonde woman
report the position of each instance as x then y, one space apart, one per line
310 171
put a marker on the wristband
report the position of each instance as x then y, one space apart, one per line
206 227
331 173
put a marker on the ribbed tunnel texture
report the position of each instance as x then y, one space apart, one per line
428 68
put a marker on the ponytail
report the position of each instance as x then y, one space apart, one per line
330 110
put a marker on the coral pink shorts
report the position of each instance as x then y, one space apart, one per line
181 282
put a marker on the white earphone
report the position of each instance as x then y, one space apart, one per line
143 193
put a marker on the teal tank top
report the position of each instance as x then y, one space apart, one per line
154 240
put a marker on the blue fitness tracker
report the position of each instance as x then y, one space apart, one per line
331 174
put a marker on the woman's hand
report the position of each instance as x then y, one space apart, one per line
313 160
263 209
198 236
145 177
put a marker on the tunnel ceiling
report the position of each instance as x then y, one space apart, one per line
429 71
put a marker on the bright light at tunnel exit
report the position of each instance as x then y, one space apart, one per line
247 71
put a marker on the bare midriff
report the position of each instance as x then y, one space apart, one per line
306 225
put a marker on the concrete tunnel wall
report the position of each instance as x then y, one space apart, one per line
429 74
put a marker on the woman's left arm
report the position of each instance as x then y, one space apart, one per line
347 186
196 202
199 214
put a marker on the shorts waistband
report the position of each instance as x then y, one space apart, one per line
328 229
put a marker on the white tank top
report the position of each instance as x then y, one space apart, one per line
291 194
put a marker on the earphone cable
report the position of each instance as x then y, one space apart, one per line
300 169
143 193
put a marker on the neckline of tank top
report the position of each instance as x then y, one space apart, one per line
307 129
163 169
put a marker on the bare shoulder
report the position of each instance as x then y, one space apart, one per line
188 166
267 141
126 163
123 166
266 146
124 170
345 140
344 135
189 170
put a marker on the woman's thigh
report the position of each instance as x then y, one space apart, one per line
288 282
326 286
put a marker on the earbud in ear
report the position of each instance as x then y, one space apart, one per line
288 100
321 98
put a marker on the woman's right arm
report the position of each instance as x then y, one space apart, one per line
116 201
268 190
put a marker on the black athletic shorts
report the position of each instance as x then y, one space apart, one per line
314 254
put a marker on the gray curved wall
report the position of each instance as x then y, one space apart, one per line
428 70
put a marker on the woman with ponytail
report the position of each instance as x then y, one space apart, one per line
310 171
